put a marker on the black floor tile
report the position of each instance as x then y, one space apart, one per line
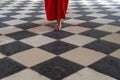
9 67
103 46
57 68
34 13
3 25
58 34
11 14
6 19
109 66
118 32
95 33
58 47
86 18
83 12
30 19
106 12
115 23
27 25
112 17
21 35
90 24
14 47
14 10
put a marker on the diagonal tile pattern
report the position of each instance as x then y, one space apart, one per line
87 47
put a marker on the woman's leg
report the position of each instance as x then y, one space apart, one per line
59 24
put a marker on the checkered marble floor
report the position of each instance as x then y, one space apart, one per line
87 47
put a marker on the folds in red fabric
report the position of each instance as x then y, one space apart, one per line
56 9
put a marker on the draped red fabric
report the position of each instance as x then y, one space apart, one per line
56 9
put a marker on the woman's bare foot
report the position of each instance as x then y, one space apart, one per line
58 27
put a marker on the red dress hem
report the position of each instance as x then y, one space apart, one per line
56 9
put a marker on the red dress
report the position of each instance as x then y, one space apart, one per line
56 9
